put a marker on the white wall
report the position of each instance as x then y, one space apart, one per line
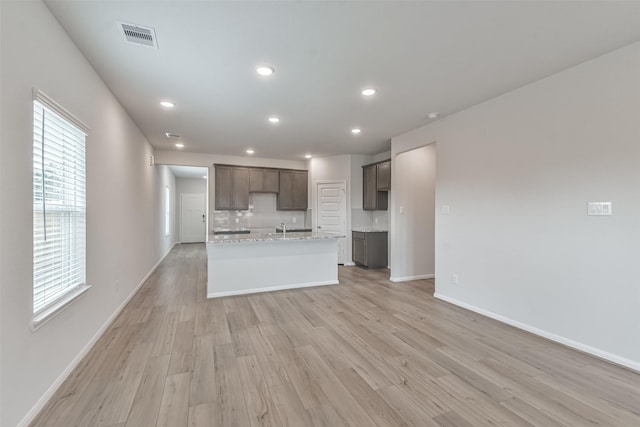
187 186
518 172
186 158
381 156
122 220
413 232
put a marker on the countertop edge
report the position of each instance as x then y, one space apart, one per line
277 238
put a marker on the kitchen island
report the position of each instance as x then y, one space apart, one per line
250 263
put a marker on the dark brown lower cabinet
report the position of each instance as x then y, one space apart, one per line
369 248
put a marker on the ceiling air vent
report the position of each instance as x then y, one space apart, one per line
173 135
144 36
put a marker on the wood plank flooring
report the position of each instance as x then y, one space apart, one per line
367 352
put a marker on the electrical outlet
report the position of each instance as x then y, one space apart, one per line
376 220
455 279
237 220
294 219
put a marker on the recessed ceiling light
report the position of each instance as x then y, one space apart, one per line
167 104
265 70
308 156
369 92
180 145
355 131
250 151
433 115
274 120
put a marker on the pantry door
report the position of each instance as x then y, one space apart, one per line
331 212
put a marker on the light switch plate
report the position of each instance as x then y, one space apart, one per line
599 208
446 209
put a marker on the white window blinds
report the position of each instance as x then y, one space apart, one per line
59 205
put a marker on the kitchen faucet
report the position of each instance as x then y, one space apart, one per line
284 227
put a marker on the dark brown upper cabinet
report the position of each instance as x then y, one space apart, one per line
264 180
231 188
376 182
293 190
383 171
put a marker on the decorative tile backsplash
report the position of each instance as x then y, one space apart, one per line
376 220
262 215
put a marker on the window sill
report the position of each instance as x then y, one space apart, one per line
52 311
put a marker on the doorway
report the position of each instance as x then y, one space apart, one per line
193 218
413 214
191 203
331 212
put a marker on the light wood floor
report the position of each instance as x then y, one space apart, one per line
367 352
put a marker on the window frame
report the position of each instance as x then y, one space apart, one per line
70 293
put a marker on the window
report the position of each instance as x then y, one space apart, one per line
59 206
167 212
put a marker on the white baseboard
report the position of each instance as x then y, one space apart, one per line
35 410
349 264
270 289
410 278
593 351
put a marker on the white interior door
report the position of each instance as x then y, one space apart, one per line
331 208
192 218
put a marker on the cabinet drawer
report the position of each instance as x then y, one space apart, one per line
357 235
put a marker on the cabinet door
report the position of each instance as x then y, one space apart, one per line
369 187
270 181
360 251
223 188
300 190
240 189
285 196
384 176
377 256
256 180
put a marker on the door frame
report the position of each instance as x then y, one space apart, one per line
204 196
347 206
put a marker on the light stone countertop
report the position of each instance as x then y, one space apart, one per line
269 237
369 230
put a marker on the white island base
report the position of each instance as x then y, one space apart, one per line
260 266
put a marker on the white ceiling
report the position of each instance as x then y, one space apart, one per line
189 171
420 56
